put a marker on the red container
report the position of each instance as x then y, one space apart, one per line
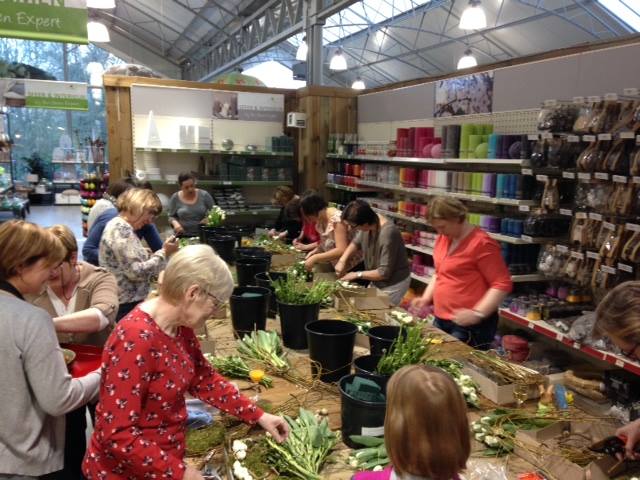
410 209
517 348
357 170
88 358
408 177
411 142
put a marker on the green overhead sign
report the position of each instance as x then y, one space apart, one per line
51 20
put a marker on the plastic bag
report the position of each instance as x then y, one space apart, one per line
478 469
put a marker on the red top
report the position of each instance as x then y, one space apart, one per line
474 267
311 235
141 417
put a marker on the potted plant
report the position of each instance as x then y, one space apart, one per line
214 234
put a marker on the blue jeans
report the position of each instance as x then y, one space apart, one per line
477 336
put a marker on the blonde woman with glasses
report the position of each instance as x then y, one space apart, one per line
151 361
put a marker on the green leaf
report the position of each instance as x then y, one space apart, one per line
367 441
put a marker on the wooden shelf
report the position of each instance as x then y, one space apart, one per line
547 330
260 153
336 186
400 216
230 183
530 277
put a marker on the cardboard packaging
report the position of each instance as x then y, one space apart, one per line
489 388
362 299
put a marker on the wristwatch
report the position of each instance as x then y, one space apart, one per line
359 275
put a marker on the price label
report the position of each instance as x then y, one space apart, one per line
601 176
533 137
608 269
226 182
619 363
578 100
627 135
531 326
632 227
573 139
608 225
593 99
569 175
576 345
611 96
550 102
584 176
632 92
577 255
581 215
527 238
593 255
604 136
595 216
542 178
562 248
566 212
619 179
527 171
589 138
637 139
625 268
559 337
524 208
547 136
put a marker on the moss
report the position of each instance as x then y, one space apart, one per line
265 405
256 459
202 440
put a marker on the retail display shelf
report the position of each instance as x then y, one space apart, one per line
416 248
256 211
429 161
437 191
420 278
531 277
257 153
346 188
400 216
74 163
230 183
508 239
547 330
67 182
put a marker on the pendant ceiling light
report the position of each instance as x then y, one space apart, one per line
303 50
467 61
103 4
338 62
358 84
97 32
473 17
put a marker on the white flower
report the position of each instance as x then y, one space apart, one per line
241 454
492 441
466 390
485 420
353 462
479 436
477 427
464 378
239 446
377 468
473 397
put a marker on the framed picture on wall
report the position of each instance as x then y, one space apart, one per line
464 95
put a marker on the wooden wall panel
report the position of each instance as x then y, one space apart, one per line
119 132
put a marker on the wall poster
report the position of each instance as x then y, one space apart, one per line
225 105
464 95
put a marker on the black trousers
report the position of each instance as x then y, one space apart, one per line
75 444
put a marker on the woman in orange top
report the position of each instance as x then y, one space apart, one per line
471 278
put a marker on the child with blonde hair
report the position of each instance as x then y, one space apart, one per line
426 430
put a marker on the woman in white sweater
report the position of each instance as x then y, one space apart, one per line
37 389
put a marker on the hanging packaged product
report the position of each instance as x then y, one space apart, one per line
634 162
588 159
579 231
626 120
538 157
550 196
580 126
557 118
631 249
612 243
617 160
602 149
621 201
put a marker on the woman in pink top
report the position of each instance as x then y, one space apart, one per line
471 278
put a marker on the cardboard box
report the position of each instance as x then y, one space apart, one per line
539 450
283 260
362 299
489 388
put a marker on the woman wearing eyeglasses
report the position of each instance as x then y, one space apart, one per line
123 254
618 318
151 361
83 301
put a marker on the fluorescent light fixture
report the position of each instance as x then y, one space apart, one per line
338 62
473 17
102 4
303 50
358 84
467 61
97 32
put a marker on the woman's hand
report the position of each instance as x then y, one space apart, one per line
309 263
466 317
339 268
170 246
192 473
275 425
632 433
177 227
420 302
350 277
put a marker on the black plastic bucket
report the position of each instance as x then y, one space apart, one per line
247 267
249 309
367 364
264 279
331 348
223 245
240 231
382 337
293 320
253 252
360 417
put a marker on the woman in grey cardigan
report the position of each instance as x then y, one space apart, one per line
37 389
385 257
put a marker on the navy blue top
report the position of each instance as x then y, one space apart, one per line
91 248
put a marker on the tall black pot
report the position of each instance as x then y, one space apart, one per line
249 309
247 267
382 337
224 246
331 348
361 417
293 320
264 279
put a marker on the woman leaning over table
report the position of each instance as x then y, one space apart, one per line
37 389
151 361
471 278
335 235
618 317
83 301
123 254
385 259
189 206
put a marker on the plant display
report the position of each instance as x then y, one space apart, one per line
264 347
183 242
466 384
305 451
273 245
236 367
373 457
295 290
216 216
405 350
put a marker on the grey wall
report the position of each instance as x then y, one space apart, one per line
520 87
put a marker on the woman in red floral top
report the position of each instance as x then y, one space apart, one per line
151 360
